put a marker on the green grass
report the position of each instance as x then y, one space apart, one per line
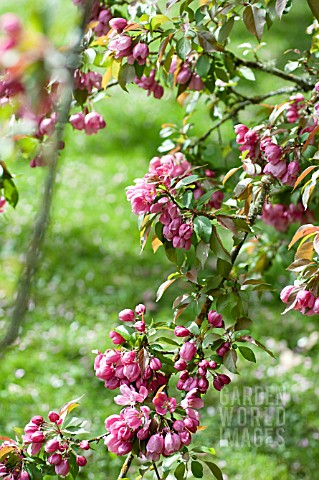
91 268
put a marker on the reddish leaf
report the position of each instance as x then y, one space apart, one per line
304 174
302 232
255 20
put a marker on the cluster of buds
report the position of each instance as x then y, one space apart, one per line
295 106
149 84
91 122
99 16
281 216
265 156
87 81
41 435
185 76
302 300
128 367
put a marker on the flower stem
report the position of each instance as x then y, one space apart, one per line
126 465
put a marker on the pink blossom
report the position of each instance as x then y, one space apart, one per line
241 131
163 404
130 396
53 417
77 121
184 74
140 53
155 364
291 174
117 446
172 443
11 25
141 197
155 444
3 202
196 83
62 468
278 170
55 459
93 122
273 152
84 444
192 400
52 445
81 460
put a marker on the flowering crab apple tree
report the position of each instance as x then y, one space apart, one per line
202 214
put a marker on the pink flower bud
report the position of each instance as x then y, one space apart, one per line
218 385
116 338
180 365
84 444
185 437
127 315
212 364
224 379
241 131
215 319
285 292
37 437
46 126
158 91
184 74
225 347
196 83
11 25
140 309
155 444
181 332
77 121
305 299
62 468
37 419
155 364
118 24
81 461
140 53
53 417
316 88
140 326
203 385
188 351
93 122
55 459
52 446
24 475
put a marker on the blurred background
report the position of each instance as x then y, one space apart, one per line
91 269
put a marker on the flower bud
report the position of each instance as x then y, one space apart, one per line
215 319
140 309
180 365
55 459
24 475
116 338
127 315
188 351
181 332
155 364
218 385
53 417
62 468
140 326
37 419
81 460
224 379
37 437
118 24
84 444
285 293
52 445
77 121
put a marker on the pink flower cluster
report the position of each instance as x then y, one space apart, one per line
40 433
301 300
261 149
91 123
186 76
150 84
162 171
281 216
87 81
293 110
139 422
11 28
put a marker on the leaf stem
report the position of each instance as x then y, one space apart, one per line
126 465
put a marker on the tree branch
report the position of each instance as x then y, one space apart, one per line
242 105
304 84
50 156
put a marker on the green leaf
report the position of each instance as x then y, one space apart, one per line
187 181
210 339
230 360
215 470
188 199
202 252
32 470
217 246
247 353
168 340
183 48
10 192
203 65
203 228
314 7
255 20
125 331
197 469
280 7
225 30
179 472
126 75
247 73
74 468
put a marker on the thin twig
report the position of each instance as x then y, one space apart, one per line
242 105
126 465
156 471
